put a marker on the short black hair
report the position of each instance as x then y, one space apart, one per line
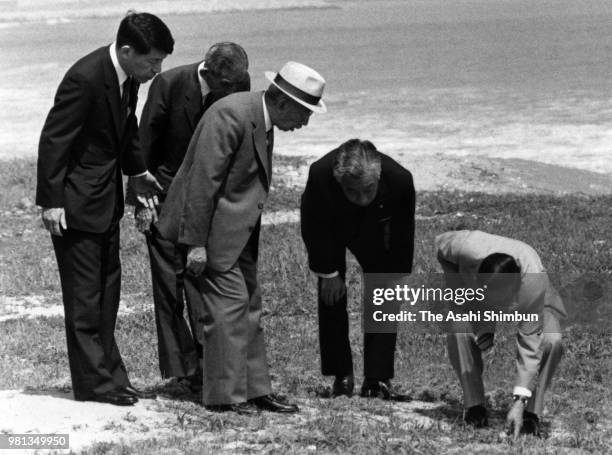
143 32
499 263
498 270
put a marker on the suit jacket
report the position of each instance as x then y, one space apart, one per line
170 115
85 144
461 252
381 235
218 194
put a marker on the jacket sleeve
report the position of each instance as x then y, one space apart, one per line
65 121
325 255
214 142
403 228
153 124
149 141
532 297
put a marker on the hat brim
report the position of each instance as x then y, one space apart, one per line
318 108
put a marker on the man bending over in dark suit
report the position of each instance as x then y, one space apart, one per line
360 199
88 140
177 100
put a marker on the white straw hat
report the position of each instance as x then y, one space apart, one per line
301 83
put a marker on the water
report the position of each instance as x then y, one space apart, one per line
499 78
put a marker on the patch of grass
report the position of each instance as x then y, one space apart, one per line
572 234
27 260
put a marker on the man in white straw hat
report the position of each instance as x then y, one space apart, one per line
213 208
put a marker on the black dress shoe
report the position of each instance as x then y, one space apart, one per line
343 385
476 416
117 397
238 408
273 404
194 382
531 424
373 388
142 394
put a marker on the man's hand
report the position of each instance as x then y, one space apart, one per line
146 188
143 217
514 420
54 220
196 260
332 290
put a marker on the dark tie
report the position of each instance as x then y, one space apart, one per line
270 146
125 99
208 101
270 141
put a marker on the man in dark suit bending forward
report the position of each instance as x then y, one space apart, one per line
359 199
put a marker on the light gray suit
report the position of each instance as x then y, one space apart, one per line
216 201
538 343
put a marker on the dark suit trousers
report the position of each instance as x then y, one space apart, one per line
178 346
90 273
336 357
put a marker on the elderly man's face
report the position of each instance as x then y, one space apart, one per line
360 191
291 116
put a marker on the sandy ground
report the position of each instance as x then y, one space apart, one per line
56 412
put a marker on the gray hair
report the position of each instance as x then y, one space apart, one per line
226 57
357 160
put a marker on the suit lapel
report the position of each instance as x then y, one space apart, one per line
259 138
111 84
193 98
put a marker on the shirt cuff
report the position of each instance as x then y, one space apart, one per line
522 391
327 275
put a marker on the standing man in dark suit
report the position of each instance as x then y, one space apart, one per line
360 199
214 208
88 140
177 100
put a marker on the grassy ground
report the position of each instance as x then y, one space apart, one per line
572 234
